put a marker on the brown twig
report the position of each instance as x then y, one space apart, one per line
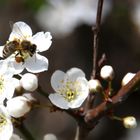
96 30
82 127
95 114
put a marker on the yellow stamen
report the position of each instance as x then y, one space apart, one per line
3 121
69 90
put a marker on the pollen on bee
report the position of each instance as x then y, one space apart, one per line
19 59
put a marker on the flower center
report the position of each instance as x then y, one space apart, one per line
3 121
69 90
1 83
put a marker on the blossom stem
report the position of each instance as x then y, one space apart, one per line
96 30
95 114
116 118
81 132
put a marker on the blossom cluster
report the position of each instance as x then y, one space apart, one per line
20 62
20 65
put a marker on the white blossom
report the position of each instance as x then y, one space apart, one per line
66 15
25 58
18 106
127 78
7 87
29 82
129 122
71 88
107 72
6 127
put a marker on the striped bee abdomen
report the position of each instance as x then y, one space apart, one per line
10 48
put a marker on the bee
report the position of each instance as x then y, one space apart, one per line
28 47
20 48
25 47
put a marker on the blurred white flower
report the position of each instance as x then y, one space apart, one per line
18 106
6 127
127 78
135 14
107 72
29 82
129 122
67 15
50 137
71 88
26 52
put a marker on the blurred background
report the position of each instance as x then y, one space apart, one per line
70 23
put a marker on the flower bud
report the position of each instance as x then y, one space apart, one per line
127 78
50 137
29 82
129 122
18 106
107 72
94 85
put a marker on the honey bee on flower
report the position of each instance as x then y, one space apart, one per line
22 48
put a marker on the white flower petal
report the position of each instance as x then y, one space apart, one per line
20 31
57 79
74 73
4 112
18 67
6 68
76 103
83 93
10 66
7 127
9 89
42 40
18 106
58 101
36 64
79 101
